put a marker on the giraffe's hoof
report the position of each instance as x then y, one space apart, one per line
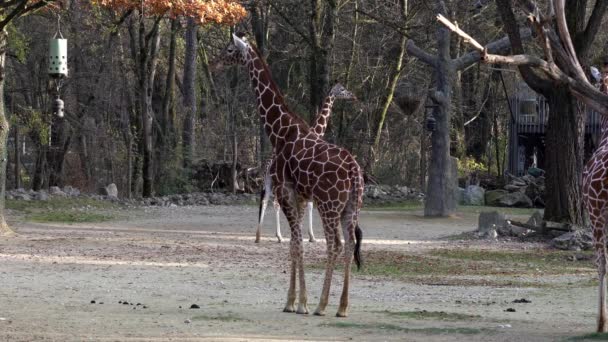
302 310
319 312
312 240
257 240
289 308
341 314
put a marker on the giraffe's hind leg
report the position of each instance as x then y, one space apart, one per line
599 237
311 235
349 223
331 223
293 208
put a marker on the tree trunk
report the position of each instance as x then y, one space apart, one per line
189 138
17 159
322 34
564 157
58 148
5 230
440 200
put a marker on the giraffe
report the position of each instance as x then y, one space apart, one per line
305 168
595 198
338 91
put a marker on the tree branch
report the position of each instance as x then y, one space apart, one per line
422 55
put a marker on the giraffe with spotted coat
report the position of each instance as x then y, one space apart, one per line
305 168
595 198
338 91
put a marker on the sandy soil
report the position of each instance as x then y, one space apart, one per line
166 259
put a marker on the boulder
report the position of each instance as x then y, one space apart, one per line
536 219
578 240
23 197
474 195
56 191
515 199
111 191
490 220
493 197
460 198
71 191
41 196
515 231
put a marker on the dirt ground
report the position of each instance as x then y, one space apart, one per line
162 260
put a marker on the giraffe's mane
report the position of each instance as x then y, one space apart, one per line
277 90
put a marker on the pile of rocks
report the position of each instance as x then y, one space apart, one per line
523 192
492 225
200 198
383 194
42 195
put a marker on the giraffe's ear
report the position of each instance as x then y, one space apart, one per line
240 43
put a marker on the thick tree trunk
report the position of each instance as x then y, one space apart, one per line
564 157
322 34
440 200
189 137
5 230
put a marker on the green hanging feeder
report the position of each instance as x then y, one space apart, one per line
58 55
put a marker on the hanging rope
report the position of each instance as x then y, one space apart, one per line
58 27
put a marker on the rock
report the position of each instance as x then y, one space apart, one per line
536 219
523 300
187 321
512 230
514 188
23 197
195 306
41 196
474 195
111 191
490 220
578 240
460 198
493 197
510 310
71 191
515 199
56 191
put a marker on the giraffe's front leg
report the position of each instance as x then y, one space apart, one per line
601 267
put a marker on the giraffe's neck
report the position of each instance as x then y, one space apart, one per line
322 119
280 124
604 131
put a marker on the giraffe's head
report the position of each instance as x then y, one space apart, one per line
340 92
233 53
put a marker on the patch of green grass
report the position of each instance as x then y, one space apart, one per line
67 217
550 261
394 327
472 267
227 317
591 337
434 315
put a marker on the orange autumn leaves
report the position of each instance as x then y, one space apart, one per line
228 12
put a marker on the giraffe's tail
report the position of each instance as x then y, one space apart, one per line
358 239
357 191
262 199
